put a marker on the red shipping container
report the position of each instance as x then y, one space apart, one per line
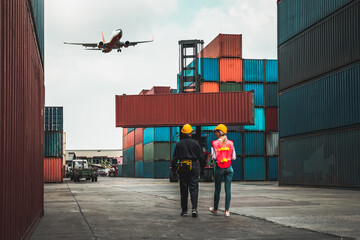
53 170
224 45
21 121
271 119
230 70
139 135
200 109
131 139
125 131
144 92
139 152
208 87
158 90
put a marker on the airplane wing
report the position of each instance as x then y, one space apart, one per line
127 43
93 45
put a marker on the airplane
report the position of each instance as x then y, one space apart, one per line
114 43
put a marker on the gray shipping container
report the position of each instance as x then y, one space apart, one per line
327 46
328 159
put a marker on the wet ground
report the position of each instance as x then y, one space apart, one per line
137 208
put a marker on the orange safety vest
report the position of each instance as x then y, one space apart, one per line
223 154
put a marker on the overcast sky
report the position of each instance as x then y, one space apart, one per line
85 82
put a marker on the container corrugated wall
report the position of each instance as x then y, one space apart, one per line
253 70
296 16
231 87
54 119
157 151
273 173
254 143
237 165
162 134
156 169
236 138
329 45
224 45
271 96
139 135
139 152
259 92
209 87
209 69
272 144
53 144
22 122
254 168
329 102
38 18
271 119
259 121
329 159
230 108
230 70
53 170
271 70
139 169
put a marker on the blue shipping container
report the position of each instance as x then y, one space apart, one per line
296 16
120 174
236 138
209 69
125 158
175 132
162 134
210 136
329 102
271 98
253 70
161 169
148 169
148 135
258 92
254 143
54 119
237 165
329 159
139 168
53 144
128 169
259 124
254 169
273 168
271 71
131 154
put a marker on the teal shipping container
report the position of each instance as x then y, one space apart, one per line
327 159
210 136
254 143
130 130
258 92
208 128
175 133
54 119
148 135
53 144
131 154
125 158
238 128
237 165
254 169
328 102
139 169
271 70
296 16
253 70
259 124
156 169
38 16
157 151
209 69
162 134
236 138
273 168
128 169
120 173
271 98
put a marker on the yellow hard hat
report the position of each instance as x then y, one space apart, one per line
187 129
222 128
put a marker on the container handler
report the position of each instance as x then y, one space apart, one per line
81 169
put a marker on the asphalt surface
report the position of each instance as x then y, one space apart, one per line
135 208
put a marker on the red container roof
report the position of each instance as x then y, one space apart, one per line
198 109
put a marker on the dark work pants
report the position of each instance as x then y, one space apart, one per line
189 181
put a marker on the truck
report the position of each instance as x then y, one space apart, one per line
80 169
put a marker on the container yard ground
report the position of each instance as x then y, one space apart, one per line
136 208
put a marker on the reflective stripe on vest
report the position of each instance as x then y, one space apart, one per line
223 154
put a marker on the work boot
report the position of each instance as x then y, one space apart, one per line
183 213
227 213
194 213
213 210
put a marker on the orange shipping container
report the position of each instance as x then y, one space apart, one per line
230 69
139 135
139 152
53 168
125 142
209 87
124 131
224 45
131 139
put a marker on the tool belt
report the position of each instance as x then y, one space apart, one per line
185 165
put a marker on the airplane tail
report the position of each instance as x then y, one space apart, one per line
102 34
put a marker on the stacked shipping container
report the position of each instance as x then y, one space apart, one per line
21 118
319 98
54 149
223 69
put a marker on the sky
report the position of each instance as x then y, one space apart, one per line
85 83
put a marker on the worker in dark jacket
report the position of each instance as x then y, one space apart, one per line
188 160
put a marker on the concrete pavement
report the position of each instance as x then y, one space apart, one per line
131 208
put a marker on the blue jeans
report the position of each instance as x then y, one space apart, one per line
228 175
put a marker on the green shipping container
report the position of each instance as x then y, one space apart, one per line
231 87
157 151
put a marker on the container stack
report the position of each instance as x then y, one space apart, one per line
224 70
147 151
319 92
54 141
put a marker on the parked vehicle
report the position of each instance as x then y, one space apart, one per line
81 169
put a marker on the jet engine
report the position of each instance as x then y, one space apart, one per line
126 44
100 44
